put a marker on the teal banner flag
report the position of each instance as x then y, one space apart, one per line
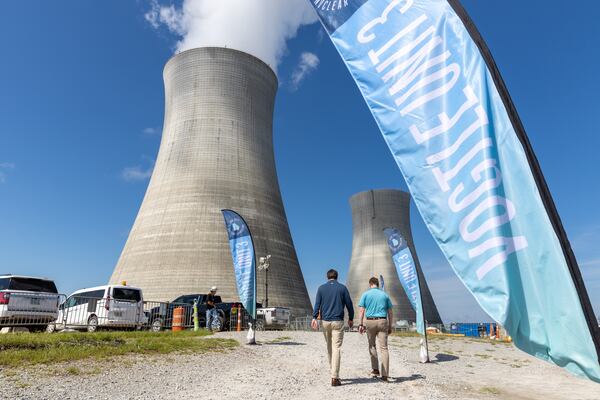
439 100
244 261
407 272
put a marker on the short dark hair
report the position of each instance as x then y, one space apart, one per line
332 274
374 281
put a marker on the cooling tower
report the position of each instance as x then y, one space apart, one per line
216 152
372 211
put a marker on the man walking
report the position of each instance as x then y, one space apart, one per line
376 306
211 310
331 299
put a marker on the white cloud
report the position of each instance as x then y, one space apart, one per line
151 131
258 27
308 63
137 173
3 168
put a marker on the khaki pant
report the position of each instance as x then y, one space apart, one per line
377 333
334 336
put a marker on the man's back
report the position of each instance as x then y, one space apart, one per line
376 303
331 299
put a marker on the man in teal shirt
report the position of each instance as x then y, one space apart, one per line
376 307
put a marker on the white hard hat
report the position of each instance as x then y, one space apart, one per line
213 289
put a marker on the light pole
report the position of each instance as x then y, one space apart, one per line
263 265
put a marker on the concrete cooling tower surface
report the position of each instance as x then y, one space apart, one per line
216 152
372 211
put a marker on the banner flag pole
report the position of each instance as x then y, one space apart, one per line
445 113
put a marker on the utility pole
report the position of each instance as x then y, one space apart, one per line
263 265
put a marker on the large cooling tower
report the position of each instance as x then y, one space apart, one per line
373 211
216 152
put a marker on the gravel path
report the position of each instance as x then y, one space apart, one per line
293 365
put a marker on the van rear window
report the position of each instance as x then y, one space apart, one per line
4 283
126 294
32 285
95 294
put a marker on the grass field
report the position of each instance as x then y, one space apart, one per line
31 349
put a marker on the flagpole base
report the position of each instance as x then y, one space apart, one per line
251 337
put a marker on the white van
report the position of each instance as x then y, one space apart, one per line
272 318
110 306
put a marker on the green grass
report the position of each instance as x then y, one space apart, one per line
30 349
279 339
489 390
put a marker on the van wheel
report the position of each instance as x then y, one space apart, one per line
92 325
156 325
260 325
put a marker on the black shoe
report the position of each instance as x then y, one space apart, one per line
384 379
375 372
335 382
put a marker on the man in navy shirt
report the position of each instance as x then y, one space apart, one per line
331 299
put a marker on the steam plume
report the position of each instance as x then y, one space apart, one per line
258 27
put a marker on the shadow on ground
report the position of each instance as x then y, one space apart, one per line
441 357
284 344
373 380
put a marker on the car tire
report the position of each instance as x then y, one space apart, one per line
218 324
156 325
92 324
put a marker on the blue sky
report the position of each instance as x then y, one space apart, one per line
81 101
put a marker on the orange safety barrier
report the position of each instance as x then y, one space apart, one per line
178 317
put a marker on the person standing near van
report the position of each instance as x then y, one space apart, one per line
375 305
211 309
331 299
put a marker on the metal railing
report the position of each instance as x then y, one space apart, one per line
93 313
244 321
161 316
300 323
33 311
41 311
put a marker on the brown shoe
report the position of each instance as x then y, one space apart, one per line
375 372
335 382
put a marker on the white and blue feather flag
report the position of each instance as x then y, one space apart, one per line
244 261
446 115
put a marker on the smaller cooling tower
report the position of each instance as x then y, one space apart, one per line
372 211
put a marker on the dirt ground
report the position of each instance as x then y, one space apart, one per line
293 365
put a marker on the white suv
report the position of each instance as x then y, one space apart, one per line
109 306
27 302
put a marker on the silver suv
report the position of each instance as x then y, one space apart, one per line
27 302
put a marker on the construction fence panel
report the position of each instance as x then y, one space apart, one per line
34 311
